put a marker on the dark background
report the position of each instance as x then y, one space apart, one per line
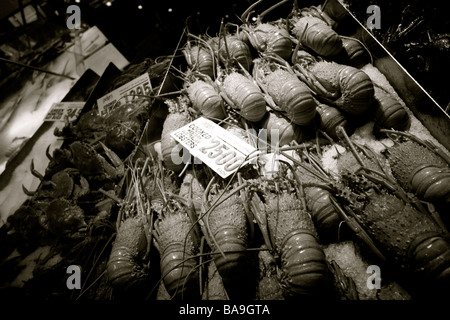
416 32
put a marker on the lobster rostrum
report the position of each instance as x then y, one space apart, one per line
291 237
290 95
266 37
420 167
313 30
408 235
348 88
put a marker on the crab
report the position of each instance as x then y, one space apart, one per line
66 183
64 218
89 162
89 128
93 165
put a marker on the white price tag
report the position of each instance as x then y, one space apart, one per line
58 111
129 91
219 149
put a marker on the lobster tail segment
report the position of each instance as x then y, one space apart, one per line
178 248
125 269
430 262
304 267
228 226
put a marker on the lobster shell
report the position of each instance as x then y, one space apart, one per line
169 145
318 36
421 171
269 38
200 59
177 249
323 213
125 266
330 119
410 238
390 114
355 54
287 131
206 99
228 226
237 49
292 96
303 264
246 96
357 93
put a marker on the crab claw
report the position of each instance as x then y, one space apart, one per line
28 192
34 172
116 161
47 153
37 174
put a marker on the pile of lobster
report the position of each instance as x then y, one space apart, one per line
183 232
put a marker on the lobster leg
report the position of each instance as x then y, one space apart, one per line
358 230
345 284
37 174
261 219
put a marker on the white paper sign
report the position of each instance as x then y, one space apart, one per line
58 111
219 149
139 86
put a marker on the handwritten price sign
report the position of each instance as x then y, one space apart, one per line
59 111
124 94
219 149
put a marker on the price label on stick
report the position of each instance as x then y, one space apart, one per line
124 94
59 111
219 149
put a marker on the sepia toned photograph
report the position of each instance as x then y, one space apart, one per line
225 158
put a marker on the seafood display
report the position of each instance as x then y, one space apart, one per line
343 178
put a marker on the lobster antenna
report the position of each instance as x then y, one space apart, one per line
261 16
341 131
247 12
171 61
222 32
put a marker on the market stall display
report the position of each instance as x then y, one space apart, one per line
209 175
